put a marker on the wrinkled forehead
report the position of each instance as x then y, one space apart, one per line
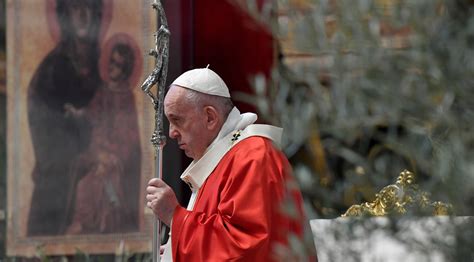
176 98
175 94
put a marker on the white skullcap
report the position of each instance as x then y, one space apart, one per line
203 80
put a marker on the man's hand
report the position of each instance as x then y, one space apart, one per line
161 200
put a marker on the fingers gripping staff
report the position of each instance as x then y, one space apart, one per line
158 77
161 199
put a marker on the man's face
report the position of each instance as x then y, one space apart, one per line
187 123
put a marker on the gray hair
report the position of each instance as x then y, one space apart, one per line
222 104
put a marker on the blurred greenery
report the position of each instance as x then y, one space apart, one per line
367 88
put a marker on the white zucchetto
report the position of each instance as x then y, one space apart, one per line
203 80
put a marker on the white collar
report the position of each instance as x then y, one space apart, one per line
235 121
198 171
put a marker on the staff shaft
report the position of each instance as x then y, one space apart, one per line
157 223
158 77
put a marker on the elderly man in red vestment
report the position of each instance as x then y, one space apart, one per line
245 205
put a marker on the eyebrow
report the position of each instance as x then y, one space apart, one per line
173 116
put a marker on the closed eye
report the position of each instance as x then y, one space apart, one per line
175 120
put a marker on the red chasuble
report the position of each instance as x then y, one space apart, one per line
238 214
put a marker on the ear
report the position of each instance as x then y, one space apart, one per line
212 117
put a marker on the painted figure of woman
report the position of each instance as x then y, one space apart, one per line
68 75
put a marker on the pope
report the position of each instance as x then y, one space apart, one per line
245 205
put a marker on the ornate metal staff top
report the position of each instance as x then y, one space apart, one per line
158 77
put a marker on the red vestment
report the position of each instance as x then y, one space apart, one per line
238 214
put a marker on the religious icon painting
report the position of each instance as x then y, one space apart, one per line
78 157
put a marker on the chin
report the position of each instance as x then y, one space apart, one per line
188 154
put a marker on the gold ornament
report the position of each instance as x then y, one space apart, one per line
398 198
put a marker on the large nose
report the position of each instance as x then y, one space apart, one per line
174 134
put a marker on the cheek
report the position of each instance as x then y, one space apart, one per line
201 138
193 130
193 134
